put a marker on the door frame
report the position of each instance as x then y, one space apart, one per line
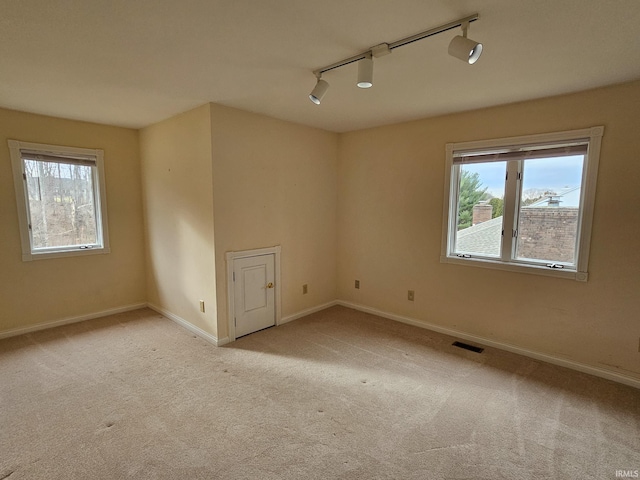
231 257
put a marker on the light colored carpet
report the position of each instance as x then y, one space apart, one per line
338 394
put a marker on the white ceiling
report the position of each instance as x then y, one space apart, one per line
136 62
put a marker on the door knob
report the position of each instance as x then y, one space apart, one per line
270 285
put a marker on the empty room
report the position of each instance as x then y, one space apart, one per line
278 239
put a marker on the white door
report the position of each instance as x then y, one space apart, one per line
254 293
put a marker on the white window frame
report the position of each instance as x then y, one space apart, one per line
507 261
28 252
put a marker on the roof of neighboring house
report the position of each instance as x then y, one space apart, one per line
482 238
485 238
568 197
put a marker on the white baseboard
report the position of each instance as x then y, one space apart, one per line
189 326
308 311
66 321
581 367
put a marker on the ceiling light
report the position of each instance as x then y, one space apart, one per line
464 48
365 72
318 91
460 47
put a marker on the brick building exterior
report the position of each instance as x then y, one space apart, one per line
482 212
548 233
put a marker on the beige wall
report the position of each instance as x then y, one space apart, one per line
364 205
390 199
178 204
43 291
275 184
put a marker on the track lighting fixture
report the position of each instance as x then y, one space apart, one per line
319 90
460 47
365 72
464 48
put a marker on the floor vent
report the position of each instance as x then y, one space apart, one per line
466 346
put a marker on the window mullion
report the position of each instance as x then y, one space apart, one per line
26 203
97 207
453 209
511 196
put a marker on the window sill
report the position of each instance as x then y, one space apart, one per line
516 267
72 252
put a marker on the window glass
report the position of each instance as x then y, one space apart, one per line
480 206
549 209
62 207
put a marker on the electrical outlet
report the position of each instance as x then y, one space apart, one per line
202 306
357 283
305 289
410 295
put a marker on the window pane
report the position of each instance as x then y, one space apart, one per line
480 205
549 208
61 204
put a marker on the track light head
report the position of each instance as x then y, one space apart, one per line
464 48
318 91
365 72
